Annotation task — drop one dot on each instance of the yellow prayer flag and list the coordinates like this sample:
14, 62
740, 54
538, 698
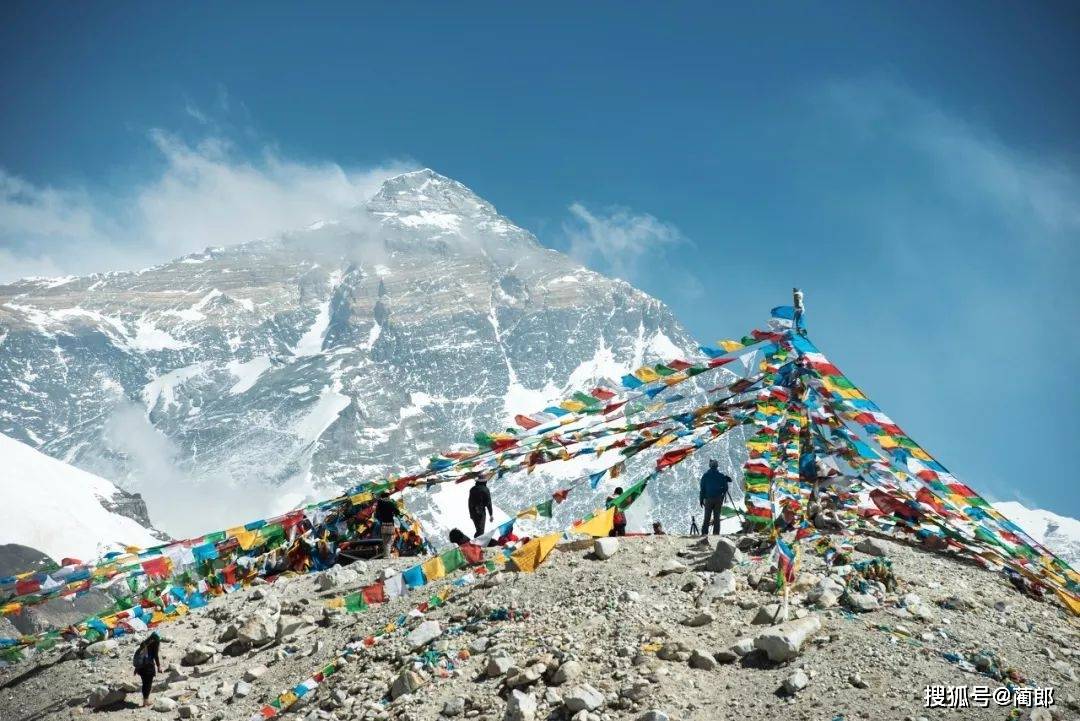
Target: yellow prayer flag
572, 406
1071, 602
730, 345
245, 538
645, 374
529, 557
433, 569
361, 498
530, 513
599, 525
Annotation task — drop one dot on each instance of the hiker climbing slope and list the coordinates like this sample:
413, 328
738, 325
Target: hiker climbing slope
147, 663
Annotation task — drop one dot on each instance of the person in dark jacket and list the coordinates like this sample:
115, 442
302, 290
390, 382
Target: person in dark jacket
386, 512
147, 663
480, 510
714, 486
457, 537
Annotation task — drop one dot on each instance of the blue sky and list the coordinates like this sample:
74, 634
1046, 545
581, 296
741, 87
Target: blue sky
914, 168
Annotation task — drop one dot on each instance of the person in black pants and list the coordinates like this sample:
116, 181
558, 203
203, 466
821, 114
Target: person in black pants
147, 663
480, 510
386, 511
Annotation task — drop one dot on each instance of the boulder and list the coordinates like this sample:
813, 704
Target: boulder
197, 655
582, 698
259, 629
101, 648
671, 566
702, 660
498, 665
605, 548
872, 547
769, 614
861, 602
568, 672
424, 634
105, 696
241, 689
701, 619
164, 704
454, 707
520, 706
336, 577
724, 557
406, 683
723, 584
254, 673
784, 642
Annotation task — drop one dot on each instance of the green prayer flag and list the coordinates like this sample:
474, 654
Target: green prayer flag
544, 509
452, 560
354, 603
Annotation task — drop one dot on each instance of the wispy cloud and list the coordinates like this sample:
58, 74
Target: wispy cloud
207, 194
618, 241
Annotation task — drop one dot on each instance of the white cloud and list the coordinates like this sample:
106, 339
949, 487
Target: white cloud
1040, 197
206, 195
618, 241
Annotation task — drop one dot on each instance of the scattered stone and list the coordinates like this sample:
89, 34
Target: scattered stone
724, 557
582, 698
164, 704
520, 707
861, 602
702, 660
197, 655
188, 710
336, 577
104, 696
784, 642
101, 648
771, 613
254, 673
653, 715
605, 548
630, 596
498, 665
257, 630
872, 547
796, 682
568, 672
857, 681
701, 619
454, 707
406, 683
671, 566
241, 689
424, 634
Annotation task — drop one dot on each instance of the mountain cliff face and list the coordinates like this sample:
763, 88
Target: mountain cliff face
259, 375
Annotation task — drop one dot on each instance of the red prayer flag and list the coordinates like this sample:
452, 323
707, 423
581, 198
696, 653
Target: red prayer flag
375, 593
526, 422
602, 394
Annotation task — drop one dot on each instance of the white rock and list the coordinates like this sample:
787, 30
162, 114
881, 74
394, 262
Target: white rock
454, 707
872, 546
605, 548
568, 672
796, 682
861, 602
724, 557
406, 683
520, 707
424, 634
198, 654
582, 698
255, 672
672, 565
701, 619
164, 704
769, 614
783, 642
102, 696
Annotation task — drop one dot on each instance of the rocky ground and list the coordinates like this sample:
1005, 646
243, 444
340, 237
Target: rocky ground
661, 628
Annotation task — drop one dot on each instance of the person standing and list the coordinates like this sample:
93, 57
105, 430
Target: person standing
714, 486
480, 510
618, 519
147, 663
386, 513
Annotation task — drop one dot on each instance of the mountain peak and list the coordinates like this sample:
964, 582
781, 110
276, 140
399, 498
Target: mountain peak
425, 190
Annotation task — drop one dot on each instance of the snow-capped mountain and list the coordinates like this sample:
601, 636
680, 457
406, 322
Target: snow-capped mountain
256, 376
1060, 534
61, 510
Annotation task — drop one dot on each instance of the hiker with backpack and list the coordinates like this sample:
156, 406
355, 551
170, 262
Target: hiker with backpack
714, 486
618, 519
147, 663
